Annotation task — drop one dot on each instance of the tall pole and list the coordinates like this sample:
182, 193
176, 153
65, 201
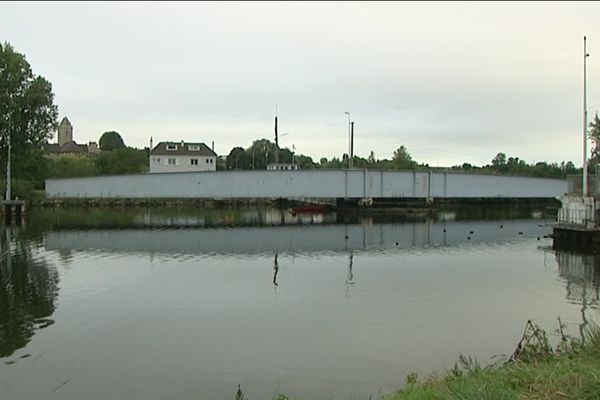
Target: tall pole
8, 194
276, 138
585, 162
349, 133
351, 144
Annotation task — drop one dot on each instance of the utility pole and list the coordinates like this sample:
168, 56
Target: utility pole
585, 162
276, 138
351, 144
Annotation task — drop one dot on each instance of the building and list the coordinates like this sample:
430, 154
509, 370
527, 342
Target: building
282, 167
182, 157
66, 144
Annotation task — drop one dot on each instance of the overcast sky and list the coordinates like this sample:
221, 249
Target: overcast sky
454, 82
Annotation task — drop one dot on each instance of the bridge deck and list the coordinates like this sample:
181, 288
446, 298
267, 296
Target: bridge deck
306, 184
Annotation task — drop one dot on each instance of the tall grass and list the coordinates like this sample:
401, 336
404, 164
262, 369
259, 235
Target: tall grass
536, 370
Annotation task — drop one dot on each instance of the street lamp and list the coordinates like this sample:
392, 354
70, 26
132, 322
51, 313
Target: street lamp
585, 163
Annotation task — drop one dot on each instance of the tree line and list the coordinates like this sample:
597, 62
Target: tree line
263, 152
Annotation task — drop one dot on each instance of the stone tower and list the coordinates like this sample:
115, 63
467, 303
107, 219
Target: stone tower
65, 132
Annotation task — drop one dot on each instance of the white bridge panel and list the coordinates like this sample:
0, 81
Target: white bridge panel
306, 184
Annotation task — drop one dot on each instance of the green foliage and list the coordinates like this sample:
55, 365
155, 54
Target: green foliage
20, 189
594, 135
304, 162
70, 165
221, 163
32, 165
237, 159
499, 161
261, 153
111, 140
537, 371
122, 161
402, 159
27, 114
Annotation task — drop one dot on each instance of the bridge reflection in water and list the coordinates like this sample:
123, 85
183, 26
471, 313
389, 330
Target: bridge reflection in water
366, 236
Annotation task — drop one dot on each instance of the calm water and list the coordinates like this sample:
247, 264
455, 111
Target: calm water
187, 305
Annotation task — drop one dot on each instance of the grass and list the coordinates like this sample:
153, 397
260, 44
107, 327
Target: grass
536, 371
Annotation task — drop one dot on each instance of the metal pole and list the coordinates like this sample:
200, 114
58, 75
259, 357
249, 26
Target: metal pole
585, 163
351, 144
276, 142
8, 194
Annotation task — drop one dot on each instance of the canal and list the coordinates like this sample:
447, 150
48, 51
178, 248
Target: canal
187, 304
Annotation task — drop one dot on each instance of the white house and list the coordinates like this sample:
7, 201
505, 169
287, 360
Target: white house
182, 157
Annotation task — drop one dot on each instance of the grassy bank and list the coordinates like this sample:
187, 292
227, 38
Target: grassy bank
570, 370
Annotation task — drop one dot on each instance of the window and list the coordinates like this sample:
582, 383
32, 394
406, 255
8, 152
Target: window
156, 160
194, 161
207, 161
211, 160
172, 161
171, 147
194, 147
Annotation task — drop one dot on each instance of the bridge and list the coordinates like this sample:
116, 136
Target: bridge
306, 184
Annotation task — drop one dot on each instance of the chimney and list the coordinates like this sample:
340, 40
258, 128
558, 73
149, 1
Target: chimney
213, 146
151, 146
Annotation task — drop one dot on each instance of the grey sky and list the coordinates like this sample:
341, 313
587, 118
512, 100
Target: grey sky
454, 82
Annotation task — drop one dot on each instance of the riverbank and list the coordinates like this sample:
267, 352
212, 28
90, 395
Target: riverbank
535, 371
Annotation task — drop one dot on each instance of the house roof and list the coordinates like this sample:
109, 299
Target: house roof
72, 147
65, 121
182, 149
51, 147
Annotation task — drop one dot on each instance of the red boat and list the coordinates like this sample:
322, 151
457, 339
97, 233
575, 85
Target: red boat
309, 209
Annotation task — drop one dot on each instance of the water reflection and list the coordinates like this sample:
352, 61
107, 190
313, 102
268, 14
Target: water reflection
350, 276
275, 270
581, 273
28, 291
294, 238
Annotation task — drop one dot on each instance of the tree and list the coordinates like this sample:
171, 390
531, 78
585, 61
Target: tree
595, 138
304, 162
402, 159
122, 161
499, 161
236, 158
27, 111
111, 140
69, 165
262, 152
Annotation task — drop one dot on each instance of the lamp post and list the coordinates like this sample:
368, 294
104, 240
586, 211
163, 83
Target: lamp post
349, 141
585, 163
